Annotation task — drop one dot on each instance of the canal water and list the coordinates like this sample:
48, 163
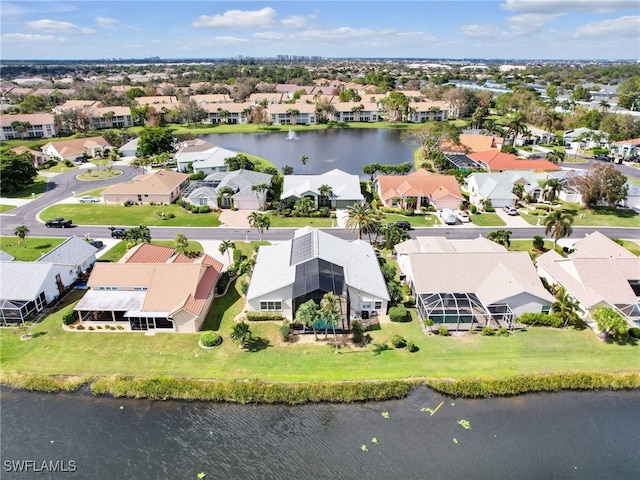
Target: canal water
346, 149
569, 435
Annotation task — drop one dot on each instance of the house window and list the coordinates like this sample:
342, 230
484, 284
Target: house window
366, 305
140, 289
271, 306
377, 305
107, 288
546, 308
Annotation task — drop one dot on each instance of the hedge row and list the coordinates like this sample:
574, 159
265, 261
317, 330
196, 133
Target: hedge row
264, 316
398, 211
541, 320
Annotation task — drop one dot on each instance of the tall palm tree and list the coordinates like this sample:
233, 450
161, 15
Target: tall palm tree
21, 232
604, 105
555, 156
558, 223
565, 306
330, 313
326, 192
361, 216
516, 126
261, 192
307, 315
260, 222
304, 160
503, 237
551, 189
225, 247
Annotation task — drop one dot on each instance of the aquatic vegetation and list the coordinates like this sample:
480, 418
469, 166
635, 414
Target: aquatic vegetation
455, 440
374, 440
385, 414
465, 424
364, 448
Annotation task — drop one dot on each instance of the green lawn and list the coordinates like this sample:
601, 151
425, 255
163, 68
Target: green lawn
593, 217
633, 247
527, 246
99, 214
38, 187
96, 192
6, 208
36, 246
487, 220
537, 350
91, 174
426, 220
300, 221
59, 168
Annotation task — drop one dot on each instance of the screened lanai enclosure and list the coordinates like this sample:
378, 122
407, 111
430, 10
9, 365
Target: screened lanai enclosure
462, 311
17, 311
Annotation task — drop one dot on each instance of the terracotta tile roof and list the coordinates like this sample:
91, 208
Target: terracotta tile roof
633, 141
418, 184
148, 253
33, 118
496, 160
158, 182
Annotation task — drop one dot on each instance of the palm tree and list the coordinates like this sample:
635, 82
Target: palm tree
565, 306
261, 192
518, 190
361, 216
307, 314
304, 160
516, 126
503, 237
326, 192
551, 189
241, 332
20, 127
330, 312
260, 222
225, 247
604, 105
555, 156
393, 235
558, 223
21, 232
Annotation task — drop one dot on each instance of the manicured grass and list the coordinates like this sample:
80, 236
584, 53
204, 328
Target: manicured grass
300, 221
635, 181
633, 247
99, 214
36, 246
527, 246
426, 220
96, 192
6, 208
538, 350
487, 220
37, 188
91, 174
594, 217
59, 168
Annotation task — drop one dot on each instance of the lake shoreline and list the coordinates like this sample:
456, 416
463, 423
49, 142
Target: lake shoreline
252, 391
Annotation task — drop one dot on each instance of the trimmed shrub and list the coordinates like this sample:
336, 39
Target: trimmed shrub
487, 331
264, 316
210, 339
69, 317
429, 323
443, 330
398, 342
503, 332
541, 320
80, 327
91, 327
399, 314
634, 332
285, 330
412, 347
538, 242
358, 331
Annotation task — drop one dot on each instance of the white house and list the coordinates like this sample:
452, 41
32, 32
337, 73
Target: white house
241, 183
498, 187
31, 125
70, 149
345, 188
313, 263
202, 157
74, 252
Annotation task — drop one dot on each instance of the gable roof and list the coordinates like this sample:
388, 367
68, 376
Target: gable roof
496, 160
345, 186
23, 280
77, 145
436, 244
73, 251
418, 184
158, 182
500, 184
209, 158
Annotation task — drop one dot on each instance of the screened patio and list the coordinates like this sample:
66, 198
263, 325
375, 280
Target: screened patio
20, 310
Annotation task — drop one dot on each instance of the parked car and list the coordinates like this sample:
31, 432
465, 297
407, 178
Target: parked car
80, 160
118, 232
463, 217
58, 223
89, 199
603, 157
401, 224
448, 216
510, 210
96, 243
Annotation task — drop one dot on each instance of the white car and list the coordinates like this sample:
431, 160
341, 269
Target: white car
89, 199
463, 217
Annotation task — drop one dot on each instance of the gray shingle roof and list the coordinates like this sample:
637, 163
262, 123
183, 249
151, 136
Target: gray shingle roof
73, 251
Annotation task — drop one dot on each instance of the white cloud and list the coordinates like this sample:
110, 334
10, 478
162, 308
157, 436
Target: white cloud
53, 26
479, 30
294, 22
239, 19
530, 22
615, 27
228, 40
31, 37
106, 22
562, 6
271, 36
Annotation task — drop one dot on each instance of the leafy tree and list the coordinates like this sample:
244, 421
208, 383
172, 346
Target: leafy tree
403, 168
20, 127
21, 232
555, 156
559, 224
181, 242
153, 141
241, 332
371, 169
304, 205
388, 271
139, 234
581, 93
239, 162
602, 183
518, 190
502, 236
629, 93
261, 192
191, 112
361, 216
610, 322
304, 160
565, 306
260, 222
225, 247
326, 192
16, 171
431, 134
331, 314
307, 314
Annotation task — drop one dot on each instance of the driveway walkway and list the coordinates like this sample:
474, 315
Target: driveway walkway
237, 219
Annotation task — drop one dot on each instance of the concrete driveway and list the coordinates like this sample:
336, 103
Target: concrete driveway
512, 220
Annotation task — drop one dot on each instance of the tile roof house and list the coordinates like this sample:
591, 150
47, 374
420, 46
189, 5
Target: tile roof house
161, 186
293, 114
472, 143
313, 263
38, 157
38, 125
70, 149
151, 289
498, 187
626, 148
441, 191
345, 188
207, 191
598, 273
496, 161
465, 290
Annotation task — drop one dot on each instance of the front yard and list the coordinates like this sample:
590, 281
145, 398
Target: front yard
486, 220
592, 217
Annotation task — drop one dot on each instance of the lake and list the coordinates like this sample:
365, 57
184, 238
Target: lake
346, 149
568, 435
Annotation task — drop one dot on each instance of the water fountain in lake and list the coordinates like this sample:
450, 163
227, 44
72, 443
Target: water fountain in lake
292, 135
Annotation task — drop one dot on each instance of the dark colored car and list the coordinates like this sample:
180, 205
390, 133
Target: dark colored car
96, 243
603, 157
118, 232
58, 223
401, 224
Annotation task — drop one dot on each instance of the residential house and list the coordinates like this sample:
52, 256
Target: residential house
469, 142
241, 183
161, 187
206, 99
292, 114
313, 263
268, 98
205, 158
231, 113
30, 125
39, 158
626, 148
496, 161
441, 191
152, 288
497, 187
74, 252
599, 272
345, 189
463, 162
420, 112
465, 290
355, 112
586, 138
77, 147
535, 136
158, 101
110, 117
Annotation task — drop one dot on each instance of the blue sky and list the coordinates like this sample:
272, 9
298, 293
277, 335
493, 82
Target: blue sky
506, 29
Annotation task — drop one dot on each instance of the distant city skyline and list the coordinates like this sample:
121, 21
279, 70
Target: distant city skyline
509, 29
